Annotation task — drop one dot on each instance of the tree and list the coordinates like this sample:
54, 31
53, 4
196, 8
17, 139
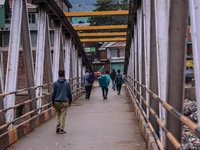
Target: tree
109, 5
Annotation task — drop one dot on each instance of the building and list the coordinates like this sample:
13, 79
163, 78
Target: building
112, 56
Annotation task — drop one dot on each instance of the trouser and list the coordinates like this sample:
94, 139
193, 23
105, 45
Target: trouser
88, 91
104, 92
113, 84
119, 87
61, 112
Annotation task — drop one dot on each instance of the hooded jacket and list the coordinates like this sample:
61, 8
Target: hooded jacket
61, 91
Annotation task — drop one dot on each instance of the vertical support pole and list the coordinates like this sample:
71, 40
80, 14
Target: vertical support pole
136, 55
162, 36
195, 22
41, 38
28, 57
56, 53
13, 58
147, 33
80, 69
139, 26
176, 66
2, 114
153, 83
67, 56
76, 68
84, 69
61, 63
48, 58
133, 58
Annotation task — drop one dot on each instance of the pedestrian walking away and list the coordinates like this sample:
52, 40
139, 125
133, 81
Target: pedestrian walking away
61, 98
112, 76
104, 82
88, 85
118, 81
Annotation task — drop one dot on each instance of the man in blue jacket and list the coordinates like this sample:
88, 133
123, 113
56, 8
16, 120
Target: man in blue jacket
61, 98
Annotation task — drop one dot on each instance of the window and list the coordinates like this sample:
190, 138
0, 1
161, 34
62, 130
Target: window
31, 17
114, 53
122, 53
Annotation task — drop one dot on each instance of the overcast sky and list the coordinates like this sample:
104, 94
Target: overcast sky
82, 5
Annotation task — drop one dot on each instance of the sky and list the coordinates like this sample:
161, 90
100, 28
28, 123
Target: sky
82, 5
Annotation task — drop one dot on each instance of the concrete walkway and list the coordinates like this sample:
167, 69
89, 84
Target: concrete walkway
94, 124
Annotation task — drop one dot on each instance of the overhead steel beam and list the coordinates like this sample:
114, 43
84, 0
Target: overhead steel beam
103, 40
101, 27
103, 34
195, 23
97, 13
13, 58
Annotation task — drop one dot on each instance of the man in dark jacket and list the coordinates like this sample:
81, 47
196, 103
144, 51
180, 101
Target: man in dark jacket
61, 98
112, 76
118, 81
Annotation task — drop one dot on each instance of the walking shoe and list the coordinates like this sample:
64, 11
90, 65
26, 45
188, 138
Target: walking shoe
105, 96
118, 93
62, 131
57, 128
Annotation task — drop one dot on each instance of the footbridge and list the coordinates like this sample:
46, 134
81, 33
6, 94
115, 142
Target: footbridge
149, 112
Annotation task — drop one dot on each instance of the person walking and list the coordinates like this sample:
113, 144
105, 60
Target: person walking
104, 82
112, 76
88, 86
118, 81
61, 99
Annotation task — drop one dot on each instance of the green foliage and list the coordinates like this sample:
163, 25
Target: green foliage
109, 5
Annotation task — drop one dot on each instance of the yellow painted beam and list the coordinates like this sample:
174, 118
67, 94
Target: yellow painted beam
101, 27
103, 40
97, 13
103, 34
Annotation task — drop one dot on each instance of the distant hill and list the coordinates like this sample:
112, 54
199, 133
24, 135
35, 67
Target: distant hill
82, 5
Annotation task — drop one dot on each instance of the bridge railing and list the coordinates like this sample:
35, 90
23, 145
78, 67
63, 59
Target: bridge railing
131, 85
76, 88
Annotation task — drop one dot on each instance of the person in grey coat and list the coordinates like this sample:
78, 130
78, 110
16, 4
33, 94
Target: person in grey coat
88, 86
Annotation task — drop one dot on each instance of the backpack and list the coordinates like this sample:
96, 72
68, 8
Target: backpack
103, 82
119, 80
90, 78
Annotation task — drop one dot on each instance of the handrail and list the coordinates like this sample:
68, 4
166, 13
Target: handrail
25, 102
31, 112
147, 120
25, 89
34, 87
33, 99
172, 110
169, 134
